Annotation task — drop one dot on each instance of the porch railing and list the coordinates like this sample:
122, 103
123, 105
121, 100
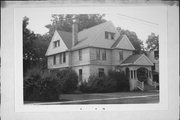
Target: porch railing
153, 83
140, 85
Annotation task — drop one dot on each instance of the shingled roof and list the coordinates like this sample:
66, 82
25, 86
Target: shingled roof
66, 37
131, 59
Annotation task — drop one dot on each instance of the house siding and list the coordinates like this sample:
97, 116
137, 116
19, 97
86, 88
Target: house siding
115, 56
94, 61
85, 72
85, 57
51, 64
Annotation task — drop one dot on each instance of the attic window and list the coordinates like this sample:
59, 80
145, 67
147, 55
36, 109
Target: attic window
57, 43
109, 35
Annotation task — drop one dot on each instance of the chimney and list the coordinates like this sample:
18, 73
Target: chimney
74, 33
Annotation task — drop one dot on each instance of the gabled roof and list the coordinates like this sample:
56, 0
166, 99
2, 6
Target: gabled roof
66, 37
95, 36
139, 59
131, 59
117, 41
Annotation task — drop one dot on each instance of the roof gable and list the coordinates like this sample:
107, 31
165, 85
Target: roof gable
139, 59
123, 43
54, 50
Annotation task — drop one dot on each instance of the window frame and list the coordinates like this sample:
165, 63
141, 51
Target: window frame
104, 54
80, 54
101, 72
98, 54
54, 60
121, 57
64, 57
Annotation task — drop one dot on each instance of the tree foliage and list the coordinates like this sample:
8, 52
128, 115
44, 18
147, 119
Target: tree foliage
152, 42
136, 42
34, 47
64, 21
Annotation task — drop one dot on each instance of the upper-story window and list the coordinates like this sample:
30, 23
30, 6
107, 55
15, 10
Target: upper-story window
60, 58
98, 54
103, 54
156, 54
120, 55
57, 43
109, 35
80, 54
54, 59
64, 57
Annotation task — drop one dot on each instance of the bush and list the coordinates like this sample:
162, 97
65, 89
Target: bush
47, 86
70, 80
41, 86
114, 82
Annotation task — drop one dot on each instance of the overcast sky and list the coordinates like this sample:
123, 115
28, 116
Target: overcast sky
142, 20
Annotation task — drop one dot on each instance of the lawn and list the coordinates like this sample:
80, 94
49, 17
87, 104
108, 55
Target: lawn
107, 98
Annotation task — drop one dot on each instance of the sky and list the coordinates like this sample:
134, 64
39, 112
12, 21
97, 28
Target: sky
142, 23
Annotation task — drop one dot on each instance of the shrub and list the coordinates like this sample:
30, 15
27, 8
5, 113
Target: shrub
115, 81
47, 86
70, 80
41, 86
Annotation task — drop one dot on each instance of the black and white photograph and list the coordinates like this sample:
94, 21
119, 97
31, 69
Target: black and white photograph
90, 59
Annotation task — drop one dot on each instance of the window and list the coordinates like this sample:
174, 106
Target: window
80, 74
153, 67
120, 55
54, 59
60, 58
109, 35
80, 54
103, 54
156, 54
101, 72
64, 57
98, 54
106, 35
57, 43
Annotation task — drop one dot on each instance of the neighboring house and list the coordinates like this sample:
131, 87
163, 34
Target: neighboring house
153, 55
97, 50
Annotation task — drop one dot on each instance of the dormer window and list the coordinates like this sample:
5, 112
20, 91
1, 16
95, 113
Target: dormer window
56, 43
109, 35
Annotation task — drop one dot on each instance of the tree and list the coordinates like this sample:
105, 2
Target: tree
64, 21
136, 42
34, 47
152, 42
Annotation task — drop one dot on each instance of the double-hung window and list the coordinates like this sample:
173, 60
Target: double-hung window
98, 54
103, 54
54, 59
80, 54
64, 57
101, 72
121, 55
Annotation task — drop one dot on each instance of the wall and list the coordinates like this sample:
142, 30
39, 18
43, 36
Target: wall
57, 65
85, 57
85, 71
116, 58
94, 61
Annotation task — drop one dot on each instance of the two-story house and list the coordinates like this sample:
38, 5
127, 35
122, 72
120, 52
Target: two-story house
97, 50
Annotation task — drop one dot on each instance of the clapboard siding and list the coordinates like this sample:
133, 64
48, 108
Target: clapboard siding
93, 58
116, 58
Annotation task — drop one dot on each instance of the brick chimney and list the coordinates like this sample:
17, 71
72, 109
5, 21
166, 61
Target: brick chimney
74, 33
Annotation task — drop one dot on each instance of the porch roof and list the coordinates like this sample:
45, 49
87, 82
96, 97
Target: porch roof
139, 59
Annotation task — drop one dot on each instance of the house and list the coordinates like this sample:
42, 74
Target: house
97, 50
153, 55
